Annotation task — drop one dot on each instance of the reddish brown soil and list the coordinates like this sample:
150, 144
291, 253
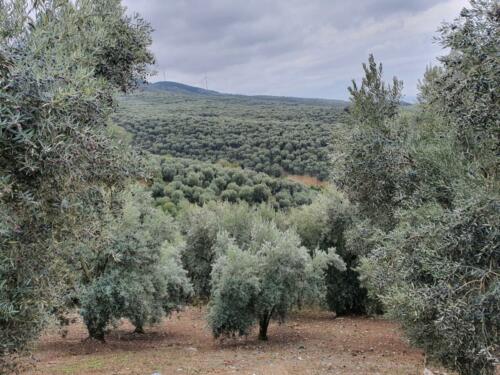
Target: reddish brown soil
308, 343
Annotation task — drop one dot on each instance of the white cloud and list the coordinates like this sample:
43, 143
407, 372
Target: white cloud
306, 48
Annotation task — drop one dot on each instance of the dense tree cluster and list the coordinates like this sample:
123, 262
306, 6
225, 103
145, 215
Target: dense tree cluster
321, 226
264, 135
427, 186
199, 183
200, 227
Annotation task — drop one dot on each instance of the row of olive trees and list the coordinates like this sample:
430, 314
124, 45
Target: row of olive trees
60, 64
322, 225
236, 257
427, 188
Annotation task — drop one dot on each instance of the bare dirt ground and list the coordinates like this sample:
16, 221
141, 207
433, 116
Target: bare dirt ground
307, 180
308, 343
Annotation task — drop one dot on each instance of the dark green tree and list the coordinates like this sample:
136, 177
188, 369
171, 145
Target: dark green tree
200, 228
371, 159
374, 101
326, 224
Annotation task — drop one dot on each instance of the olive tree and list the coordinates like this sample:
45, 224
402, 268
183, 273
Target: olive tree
369, 158
200, 226
60, 64
137, 274
436, 268
263, 279
437, 273
324, 224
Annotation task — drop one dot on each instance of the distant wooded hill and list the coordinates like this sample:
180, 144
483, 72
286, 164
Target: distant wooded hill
178, 88
181, 88
275, 135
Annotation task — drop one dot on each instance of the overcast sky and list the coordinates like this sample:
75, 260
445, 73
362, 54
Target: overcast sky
305, 48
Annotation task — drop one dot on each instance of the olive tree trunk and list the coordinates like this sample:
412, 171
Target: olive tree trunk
264, 324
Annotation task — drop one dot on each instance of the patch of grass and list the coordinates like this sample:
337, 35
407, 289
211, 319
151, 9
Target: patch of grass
85, 365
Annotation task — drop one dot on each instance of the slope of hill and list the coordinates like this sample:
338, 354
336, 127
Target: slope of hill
267, 134
181, 88
178, 88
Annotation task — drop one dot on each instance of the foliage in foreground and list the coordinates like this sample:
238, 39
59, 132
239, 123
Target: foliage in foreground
137, 274
431, 232
60, 64
447, 289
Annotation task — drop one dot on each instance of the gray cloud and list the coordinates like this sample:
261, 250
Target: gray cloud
292, 47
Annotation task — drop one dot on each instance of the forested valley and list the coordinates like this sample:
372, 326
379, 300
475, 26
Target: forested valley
162, 228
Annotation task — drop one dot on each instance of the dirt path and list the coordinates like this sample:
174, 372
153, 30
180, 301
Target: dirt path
308, 343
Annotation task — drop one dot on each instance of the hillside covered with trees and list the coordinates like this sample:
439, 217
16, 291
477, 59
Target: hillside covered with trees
266, 134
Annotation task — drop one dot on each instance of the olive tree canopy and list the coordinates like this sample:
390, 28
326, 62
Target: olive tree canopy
60, 64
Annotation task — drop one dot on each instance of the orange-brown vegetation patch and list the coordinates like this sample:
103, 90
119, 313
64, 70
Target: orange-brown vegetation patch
309, 342
307, 180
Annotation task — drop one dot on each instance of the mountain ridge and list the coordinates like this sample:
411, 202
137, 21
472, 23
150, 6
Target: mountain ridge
181, 88
177, 87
